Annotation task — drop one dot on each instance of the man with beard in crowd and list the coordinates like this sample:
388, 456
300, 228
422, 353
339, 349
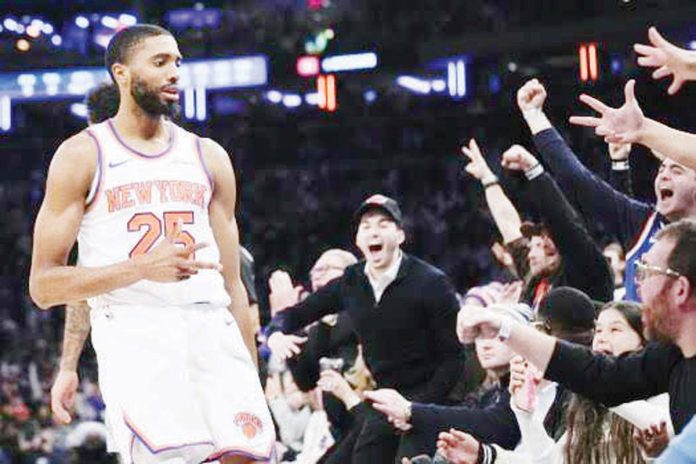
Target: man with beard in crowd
152, 207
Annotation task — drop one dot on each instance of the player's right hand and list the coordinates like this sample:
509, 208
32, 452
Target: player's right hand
285, 346
531, 96
168, 262
63, 396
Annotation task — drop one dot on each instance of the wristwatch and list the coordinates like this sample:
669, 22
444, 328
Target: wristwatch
489, 181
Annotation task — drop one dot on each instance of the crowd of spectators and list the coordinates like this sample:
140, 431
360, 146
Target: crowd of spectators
291, 211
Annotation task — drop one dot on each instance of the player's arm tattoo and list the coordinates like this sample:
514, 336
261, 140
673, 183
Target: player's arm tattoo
77, 327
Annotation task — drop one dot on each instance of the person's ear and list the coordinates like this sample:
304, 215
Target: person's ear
121, 74
682, 290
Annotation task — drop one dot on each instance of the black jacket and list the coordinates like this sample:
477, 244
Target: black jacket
488, 417
615, 380
409, 338
583, 265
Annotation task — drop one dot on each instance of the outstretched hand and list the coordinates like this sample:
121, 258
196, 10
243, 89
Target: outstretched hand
668, 59
652, 440
285, 346
283, 293
458, 447
616, 125
474, 321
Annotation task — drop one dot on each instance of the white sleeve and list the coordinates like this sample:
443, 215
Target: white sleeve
535, 443
643, 413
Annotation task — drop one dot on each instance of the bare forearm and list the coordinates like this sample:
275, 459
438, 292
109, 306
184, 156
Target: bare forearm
531, 344
77, 327
504, 213
674, 144
536, 120
63, 284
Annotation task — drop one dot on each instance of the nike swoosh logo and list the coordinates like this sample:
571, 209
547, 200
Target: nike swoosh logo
115, 165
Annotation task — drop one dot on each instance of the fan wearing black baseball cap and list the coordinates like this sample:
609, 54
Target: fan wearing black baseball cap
404, 311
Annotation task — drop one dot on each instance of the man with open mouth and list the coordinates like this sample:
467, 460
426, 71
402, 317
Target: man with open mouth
404, 312
634, 223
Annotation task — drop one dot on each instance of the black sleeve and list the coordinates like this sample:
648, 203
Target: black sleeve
620, 180
613, 380
596, 200
305, 365
583, 263
493, 424
327, 300
442, 306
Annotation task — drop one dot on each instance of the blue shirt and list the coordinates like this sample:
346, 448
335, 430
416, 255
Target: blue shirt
682, 449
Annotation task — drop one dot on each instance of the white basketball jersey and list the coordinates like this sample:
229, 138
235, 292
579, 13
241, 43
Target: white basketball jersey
134, 202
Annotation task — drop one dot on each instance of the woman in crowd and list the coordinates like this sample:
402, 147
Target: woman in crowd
594, 434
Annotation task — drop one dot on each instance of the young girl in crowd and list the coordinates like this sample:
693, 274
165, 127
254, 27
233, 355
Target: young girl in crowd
594, 434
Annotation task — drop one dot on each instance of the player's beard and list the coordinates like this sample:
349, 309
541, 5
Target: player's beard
150, 101
661, 322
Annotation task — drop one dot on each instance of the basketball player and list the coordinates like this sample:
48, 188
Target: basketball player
152, 208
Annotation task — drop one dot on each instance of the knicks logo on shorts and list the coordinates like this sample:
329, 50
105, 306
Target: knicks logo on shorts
249, 424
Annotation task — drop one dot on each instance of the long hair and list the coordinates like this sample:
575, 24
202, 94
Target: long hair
595, 434
589, 425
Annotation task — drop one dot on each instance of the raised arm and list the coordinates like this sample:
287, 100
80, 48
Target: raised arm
595, 199
51, 281
77, 327
505, 215
224, 224
627, 124
585, 266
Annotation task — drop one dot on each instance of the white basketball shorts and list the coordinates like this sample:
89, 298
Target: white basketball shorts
179, 385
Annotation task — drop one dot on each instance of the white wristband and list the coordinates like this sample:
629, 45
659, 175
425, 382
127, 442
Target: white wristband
620, 165
534, 172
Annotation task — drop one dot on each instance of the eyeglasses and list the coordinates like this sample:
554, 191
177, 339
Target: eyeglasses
645, 270
323, 269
